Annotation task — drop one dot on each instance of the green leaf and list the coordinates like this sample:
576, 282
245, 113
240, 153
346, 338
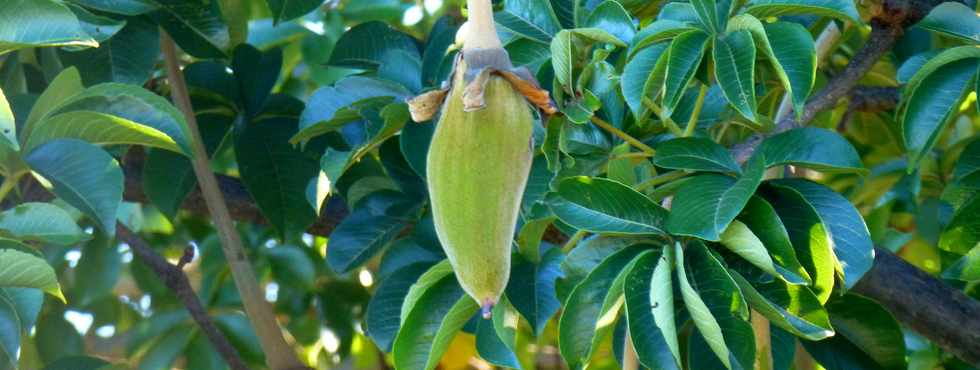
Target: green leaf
613, 18
65, 84
716, 306
8, 128
851, 239
359, 237
650, 310
531, 288
532, 19
292, 266
27, 303
25, 270
495, 338
332, 107
99, 129
431, 324
83, 175
734, 58
643, 76
36, 23
695, 154
275, 173
79, 363
100, 264
793, 308
128, 57
795, 55
740, 240
706, 204
257, 73
132, 103
713, 14
686, 51
680, 12
843, 10
870, 327
41, 222
810, 237
196, 26
966, 268
96, 26
931, 97
953, 19
529, 238
382, 319
124, 7
605, 206
285, 10
762, 220
365, 45
598, 295
9, 333
812, 147
657, 31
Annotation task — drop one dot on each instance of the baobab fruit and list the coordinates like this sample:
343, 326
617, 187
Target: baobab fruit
479, 160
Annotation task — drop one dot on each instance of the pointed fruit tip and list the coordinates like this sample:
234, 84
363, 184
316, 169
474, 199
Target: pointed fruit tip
486, 309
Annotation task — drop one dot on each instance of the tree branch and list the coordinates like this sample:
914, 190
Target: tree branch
279, 355
175, 279
932, 308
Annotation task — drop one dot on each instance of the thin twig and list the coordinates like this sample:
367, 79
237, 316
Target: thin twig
622, 135
175, 279
278, 354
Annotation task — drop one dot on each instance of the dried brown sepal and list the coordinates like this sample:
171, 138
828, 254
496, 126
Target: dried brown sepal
541, 98
473, 99
425, 107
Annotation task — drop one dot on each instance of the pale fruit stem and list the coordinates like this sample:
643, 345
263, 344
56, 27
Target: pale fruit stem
481, 33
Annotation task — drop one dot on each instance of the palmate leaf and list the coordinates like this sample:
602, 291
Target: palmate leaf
431, 323
793, 308
197, 27
762, 221
100, 129
695, 154
659, 30
128, 57
713, 14
365, 46
706, 204
643, 77
34, 23
812, 147
869, 327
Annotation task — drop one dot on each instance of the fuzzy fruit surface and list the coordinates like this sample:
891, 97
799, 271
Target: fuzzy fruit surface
478, 165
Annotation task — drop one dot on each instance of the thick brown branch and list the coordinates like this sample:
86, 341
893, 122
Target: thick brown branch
937, 311
175, 279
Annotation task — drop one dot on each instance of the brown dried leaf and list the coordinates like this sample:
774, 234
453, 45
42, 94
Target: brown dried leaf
530, 89
424, 107
473, 98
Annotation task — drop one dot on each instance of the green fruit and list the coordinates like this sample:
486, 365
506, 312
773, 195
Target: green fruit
478, 165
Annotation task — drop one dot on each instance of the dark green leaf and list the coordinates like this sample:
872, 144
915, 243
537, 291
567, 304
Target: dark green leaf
705, 206
533, 19
716, 306
851, 239
257, 73
930, 100
837, 353
734, 58
124, 7
713, 14
196, 26
382, 317
840, 9
495, 338
643, 76
695, 154
650, 310
869, 327
597, 295
365, 45
531, 288
810, 236
760, 217
359, 237
659, 30
795, 55
27, 302
101, 264
686, 51
83, 175
9, 333
275, 173
606, 206
611, 17
793, 308
812, 147
128, 57
431, 323
284, 10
